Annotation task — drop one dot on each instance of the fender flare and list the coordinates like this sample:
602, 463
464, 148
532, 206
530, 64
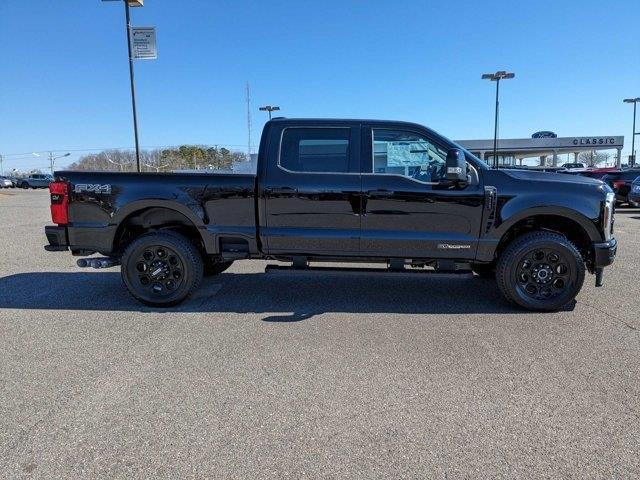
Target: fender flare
131, 208
557, 211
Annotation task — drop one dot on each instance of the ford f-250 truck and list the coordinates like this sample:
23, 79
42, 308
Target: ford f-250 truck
394, 193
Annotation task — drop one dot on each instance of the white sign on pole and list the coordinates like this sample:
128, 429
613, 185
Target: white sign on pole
143, 43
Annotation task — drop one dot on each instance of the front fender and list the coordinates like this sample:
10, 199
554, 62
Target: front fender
510, 211
512, 214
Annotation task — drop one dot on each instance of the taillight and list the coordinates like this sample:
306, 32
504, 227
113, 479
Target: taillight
617, 184
59, 202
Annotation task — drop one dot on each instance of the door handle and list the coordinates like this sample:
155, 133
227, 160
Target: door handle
280, 190
381, 193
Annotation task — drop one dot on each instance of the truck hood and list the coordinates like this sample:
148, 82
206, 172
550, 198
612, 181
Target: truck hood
528, 175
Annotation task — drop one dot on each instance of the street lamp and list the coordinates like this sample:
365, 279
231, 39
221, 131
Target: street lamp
496, 77
633, 132
52, 159
269, 108
127, 4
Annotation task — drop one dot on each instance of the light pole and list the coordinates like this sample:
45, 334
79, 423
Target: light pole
633, 132
496, 77
127, 4
52, 159
269, 108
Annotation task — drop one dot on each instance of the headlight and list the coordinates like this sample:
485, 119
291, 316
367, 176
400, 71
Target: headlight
607, 217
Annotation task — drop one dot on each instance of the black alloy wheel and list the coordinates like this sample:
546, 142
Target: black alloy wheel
161, 269
541, 271
543, 274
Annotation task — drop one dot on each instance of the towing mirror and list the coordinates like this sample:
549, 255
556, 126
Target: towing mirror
456, 166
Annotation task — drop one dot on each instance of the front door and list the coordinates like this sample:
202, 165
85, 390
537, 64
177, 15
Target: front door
408, 210
312, 195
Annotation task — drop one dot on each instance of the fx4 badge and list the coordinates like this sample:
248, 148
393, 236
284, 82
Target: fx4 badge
448, 246
92, 188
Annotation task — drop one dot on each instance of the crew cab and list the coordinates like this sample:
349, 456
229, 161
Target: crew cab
352, 191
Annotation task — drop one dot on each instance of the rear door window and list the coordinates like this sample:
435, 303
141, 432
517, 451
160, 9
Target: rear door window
316, 150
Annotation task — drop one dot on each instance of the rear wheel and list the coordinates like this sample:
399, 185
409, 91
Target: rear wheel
161, 269
24, 185
540, 271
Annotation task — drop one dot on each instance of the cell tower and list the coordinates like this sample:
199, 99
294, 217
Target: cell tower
248, 123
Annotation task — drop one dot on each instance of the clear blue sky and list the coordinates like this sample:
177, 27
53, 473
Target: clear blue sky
64, 74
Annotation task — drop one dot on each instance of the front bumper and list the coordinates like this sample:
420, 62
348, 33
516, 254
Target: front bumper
604, 253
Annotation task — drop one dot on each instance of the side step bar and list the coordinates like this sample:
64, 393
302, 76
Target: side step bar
349, 271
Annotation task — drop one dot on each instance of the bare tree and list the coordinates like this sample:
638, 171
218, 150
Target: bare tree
592, 158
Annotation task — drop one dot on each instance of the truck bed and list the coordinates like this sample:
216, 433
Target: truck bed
218, 204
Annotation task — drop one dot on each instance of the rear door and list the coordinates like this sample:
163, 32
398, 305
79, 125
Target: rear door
408, 211
311, 190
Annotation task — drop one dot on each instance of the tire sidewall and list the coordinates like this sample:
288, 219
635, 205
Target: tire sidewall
192, 268
570, 255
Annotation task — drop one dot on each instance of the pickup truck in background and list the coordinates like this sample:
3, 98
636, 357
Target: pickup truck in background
352, 191
37, 180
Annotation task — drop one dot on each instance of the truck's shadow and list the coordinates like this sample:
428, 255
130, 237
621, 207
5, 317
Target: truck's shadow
305, 296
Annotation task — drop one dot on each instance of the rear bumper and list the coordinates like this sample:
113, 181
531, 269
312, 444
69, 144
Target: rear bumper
604, 253
57, 238
80, 239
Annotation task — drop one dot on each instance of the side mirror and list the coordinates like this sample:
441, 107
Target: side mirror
456, 166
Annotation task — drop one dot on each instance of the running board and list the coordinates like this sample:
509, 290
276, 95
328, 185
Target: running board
349, 271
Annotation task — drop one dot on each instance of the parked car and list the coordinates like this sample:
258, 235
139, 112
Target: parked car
6, 183
573, 166
634, 194
354, 191
37, 180
620, 182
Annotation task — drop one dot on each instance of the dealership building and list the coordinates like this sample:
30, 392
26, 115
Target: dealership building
512, 151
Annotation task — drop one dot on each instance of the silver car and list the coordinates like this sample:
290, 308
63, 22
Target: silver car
6, 183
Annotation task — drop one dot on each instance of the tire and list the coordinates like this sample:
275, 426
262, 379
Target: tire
484, 270
24, 185
212, 268
540, 271
161, 269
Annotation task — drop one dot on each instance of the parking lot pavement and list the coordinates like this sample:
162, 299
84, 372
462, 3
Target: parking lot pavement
284, 377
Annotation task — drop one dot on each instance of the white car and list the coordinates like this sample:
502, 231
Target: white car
574, 167
6, 183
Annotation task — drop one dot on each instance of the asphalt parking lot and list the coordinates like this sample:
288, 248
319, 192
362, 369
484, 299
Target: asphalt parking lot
287, 377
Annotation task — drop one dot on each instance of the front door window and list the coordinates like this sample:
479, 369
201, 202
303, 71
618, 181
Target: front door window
408, 154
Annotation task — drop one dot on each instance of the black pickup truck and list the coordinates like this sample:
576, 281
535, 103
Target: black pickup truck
386, 192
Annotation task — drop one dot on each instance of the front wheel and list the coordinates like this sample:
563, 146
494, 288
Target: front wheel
540, 271
161, 269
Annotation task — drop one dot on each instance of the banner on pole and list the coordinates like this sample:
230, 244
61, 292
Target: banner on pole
143, 43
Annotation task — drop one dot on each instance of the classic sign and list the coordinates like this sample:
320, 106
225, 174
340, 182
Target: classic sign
594, 141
